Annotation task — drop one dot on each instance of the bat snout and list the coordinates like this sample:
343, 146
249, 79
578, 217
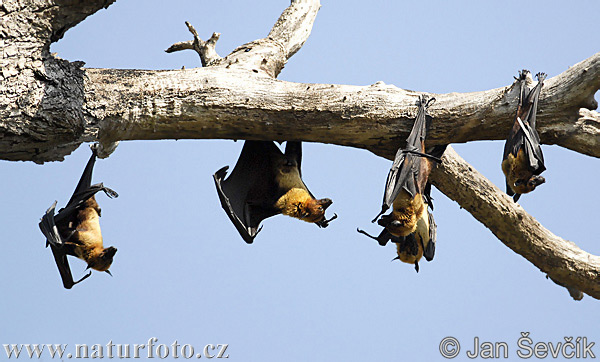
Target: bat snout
325, 203
537, 180
110, 252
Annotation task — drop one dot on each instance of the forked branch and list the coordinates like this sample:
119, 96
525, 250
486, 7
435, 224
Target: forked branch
205, 49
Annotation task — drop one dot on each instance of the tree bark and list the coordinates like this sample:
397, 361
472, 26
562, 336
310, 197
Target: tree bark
562, 260
49, 106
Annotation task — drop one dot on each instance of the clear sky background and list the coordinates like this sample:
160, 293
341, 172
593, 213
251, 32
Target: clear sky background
300, 293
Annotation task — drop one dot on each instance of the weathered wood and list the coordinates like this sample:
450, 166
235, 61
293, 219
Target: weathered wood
72, 105
560, 259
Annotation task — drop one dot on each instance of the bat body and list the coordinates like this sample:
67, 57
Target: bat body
418, 244
421, 242
410, 224
75, 229
523, 161
266, 182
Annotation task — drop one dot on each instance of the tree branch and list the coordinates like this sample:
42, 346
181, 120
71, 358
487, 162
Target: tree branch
560, 259
267, 55
205, 49
230, 103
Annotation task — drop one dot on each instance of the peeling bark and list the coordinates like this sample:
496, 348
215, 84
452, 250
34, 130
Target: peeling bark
82, 105
49, 106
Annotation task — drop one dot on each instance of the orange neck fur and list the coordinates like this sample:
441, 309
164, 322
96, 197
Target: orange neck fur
296, 203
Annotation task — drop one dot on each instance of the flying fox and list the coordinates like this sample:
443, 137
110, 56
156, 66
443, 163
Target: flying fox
410, 224
75, 229
523, 161
267, 182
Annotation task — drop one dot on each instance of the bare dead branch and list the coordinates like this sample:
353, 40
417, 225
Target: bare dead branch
293, 27
221, 103
561, 259
205, 49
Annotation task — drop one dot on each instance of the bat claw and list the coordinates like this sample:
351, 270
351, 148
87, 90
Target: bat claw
83, 278
365, 233
383, 209
325, 223
110, 193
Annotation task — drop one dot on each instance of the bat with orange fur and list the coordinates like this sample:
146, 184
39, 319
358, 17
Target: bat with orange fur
75, 229
267, 182
522, 160
410, 224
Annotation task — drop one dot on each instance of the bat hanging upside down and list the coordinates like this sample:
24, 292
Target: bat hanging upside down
75, 230
410, 224
523, 161
266, 182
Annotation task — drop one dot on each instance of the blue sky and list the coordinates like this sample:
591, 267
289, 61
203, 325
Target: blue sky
299, 292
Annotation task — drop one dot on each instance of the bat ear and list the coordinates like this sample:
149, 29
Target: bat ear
108, 272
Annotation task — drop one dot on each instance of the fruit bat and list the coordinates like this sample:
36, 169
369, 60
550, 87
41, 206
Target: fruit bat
418, 244
523, 161
75, 229
410, 224
266, 182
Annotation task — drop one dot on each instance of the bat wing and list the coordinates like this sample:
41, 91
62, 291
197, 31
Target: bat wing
248, 194
68, 212
514, 141
414, 150
429, 250
58, 247
524, 134
533, 149
84, 190
405, 169
86, 178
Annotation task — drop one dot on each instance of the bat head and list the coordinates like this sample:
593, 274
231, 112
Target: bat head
103, 260
536, 181
314, 210
399, 225
409, 251
525, 186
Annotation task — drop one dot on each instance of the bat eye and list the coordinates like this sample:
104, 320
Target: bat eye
321, 208
518, 182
